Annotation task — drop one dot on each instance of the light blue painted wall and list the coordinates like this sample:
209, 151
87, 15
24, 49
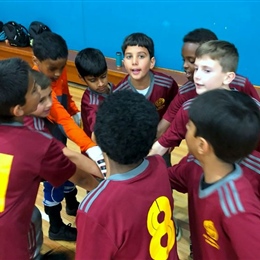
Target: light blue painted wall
104, 24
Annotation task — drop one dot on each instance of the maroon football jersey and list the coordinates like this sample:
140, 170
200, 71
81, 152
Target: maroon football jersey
89, 105
224, 217
129, 216
177, 130
188, 91
162, 90
26, 157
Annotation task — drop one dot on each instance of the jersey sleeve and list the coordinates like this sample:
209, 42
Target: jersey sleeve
243, 230
172, 92
88, 114
96, 235
55, 166
176, 131
72, 107
173, 108
250, 90
179, 175
59, 115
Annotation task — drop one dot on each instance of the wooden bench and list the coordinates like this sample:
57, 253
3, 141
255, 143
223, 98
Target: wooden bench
115, 74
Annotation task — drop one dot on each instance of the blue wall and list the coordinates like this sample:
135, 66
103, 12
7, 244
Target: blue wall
104, 24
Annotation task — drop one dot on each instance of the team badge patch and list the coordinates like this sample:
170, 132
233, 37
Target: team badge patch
160, 103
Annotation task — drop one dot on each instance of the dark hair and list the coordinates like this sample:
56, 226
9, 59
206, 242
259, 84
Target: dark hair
49, 45
90, 62
41, 79
225, 52
139, 39
125, 128
228, 120
200, 35
14, 81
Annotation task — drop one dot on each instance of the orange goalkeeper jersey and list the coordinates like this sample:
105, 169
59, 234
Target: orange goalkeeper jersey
63, 107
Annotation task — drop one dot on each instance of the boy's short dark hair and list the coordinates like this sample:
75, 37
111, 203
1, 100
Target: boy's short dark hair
200, 35
139, 39
14, 81
41, 79
49, 45
228, 120
225, 52
90, 62
126, 125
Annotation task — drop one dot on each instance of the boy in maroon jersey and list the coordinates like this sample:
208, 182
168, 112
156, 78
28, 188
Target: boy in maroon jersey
139, 226
139, 60
215, 66
224, 211
92, 68
37, 121
158, 88
22, 166
191, 42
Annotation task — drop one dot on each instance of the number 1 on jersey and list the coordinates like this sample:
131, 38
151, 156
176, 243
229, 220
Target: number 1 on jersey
5, 169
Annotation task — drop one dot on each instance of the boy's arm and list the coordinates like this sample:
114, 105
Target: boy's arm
169, 96
72, 107
185, 93
88, 113
250, 90
83, 162
174, 134
177, 130
59, 115
162, 126
170, 114
85, 169
180, 174
242, 84
243, 231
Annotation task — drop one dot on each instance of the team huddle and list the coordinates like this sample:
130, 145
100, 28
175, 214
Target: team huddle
125, 165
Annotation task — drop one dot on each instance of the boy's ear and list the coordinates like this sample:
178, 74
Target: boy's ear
229, 77
17, 111
203, 146
152, 63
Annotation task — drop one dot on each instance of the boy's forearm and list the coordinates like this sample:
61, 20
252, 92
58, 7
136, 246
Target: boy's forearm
83, 162
162, 127
157, 148
84, 180
60, 116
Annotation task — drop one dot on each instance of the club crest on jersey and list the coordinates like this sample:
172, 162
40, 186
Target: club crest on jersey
160, 103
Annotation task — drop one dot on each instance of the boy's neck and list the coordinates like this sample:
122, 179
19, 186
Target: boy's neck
215, 170
142, 83
116, 168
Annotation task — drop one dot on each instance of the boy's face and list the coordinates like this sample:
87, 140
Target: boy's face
98, 84
137, 62
208, 74
188, 56
51, 68
32, 97
44, 106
